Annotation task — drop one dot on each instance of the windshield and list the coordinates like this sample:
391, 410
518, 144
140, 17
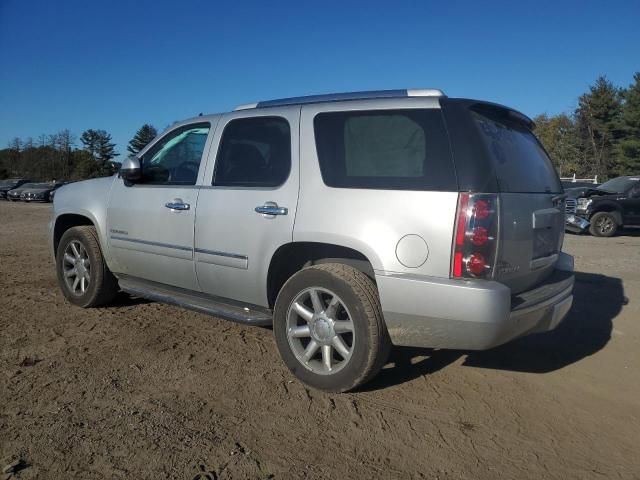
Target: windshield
618, 185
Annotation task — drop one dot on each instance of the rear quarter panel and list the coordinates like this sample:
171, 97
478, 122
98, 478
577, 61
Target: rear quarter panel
367, 220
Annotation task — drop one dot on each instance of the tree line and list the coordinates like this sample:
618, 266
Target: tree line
601, 136
63, 156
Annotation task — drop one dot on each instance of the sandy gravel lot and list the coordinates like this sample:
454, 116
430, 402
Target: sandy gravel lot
143, 390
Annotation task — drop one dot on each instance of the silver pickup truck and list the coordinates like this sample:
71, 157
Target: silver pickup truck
350, 222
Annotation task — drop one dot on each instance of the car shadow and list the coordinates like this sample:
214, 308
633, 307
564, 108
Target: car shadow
124, 299
598, 299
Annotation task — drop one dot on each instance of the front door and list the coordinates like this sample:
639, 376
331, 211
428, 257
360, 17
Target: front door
150, 223
248, 207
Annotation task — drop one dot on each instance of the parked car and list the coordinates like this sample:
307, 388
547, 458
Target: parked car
14, 194
605, 209
351, 222
10, 184
39, 192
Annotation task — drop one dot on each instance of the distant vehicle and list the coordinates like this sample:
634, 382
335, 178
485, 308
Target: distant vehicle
53, 192
40, 192
10, 184
567, 184
351, 222
14, 194
605, 209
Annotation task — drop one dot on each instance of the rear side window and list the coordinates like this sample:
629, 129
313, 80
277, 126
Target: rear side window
384, 149
254, 152
521, 164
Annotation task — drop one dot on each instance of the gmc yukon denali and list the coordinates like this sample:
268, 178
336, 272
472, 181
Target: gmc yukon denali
350, 222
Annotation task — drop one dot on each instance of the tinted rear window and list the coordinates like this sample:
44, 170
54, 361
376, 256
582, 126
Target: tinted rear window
521, 164
384, 149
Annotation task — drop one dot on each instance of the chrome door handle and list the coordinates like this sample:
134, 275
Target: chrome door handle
272, 210
177, 205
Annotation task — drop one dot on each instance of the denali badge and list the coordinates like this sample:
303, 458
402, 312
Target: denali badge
508, 268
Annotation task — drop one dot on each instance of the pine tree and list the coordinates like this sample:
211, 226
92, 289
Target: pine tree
141, 139
98, 144
105, 153
89, 139
597, 119
628, 148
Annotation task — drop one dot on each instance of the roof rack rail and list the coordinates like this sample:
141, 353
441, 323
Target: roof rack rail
338, 97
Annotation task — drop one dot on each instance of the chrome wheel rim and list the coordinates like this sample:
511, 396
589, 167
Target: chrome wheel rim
320, 331
76, 268
605, 225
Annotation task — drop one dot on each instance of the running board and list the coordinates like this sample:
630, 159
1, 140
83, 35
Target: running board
216, 306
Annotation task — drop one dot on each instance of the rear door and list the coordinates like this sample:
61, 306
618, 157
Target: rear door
248, 206
531, 199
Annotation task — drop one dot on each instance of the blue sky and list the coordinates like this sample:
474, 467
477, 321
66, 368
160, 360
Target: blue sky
115, 65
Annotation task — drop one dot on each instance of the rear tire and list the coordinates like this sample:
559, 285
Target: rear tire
603, 224
79, 257
347, 306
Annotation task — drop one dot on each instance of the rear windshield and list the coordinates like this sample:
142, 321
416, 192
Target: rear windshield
522, 165
384, 149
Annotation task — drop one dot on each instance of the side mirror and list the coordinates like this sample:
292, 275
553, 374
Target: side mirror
130, 171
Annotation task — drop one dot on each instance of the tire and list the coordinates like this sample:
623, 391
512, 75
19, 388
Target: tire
346, 299
101, 287
603, 224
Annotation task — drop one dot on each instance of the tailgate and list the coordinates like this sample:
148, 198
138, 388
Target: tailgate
531, 235
531, 198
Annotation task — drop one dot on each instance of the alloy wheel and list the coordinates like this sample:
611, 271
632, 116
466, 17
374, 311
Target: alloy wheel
605, 225
320, 331
76, 268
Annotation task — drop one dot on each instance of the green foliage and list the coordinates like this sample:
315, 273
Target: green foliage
54, 157
141, 139
558, 135
602, 135
628, 148
97, 143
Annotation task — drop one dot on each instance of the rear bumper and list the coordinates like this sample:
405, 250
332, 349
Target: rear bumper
471, 315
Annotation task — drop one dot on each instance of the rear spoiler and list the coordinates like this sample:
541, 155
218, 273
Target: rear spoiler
498, 110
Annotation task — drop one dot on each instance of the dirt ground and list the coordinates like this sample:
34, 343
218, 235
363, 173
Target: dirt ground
144, 390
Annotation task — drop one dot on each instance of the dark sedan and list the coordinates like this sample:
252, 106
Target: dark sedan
10, 184
40, 192
14, 194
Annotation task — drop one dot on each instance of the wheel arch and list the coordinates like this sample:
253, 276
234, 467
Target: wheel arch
66, 221
294, 256
610, 208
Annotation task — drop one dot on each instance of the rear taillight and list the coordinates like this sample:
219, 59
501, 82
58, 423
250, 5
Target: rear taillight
475, 238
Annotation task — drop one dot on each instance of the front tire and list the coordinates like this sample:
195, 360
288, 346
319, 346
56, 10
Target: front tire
83, 275
329, 327
603, 224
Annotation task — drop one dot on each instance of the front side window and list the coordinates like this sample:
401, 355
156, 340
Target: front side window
384, 149
175, 159
254, 152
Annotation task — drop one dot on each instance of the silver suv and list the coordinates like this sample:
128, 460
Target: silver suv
351, 222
